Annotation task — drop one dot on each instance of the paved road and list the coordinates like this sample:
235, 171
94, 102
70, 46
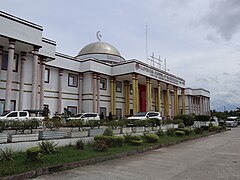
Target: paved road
213, 157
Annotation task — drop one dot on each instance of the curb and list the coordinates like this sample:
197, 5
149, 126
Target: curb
57, 168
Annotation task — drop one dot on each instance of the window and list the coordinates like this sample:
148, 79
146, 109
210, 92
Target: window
72, 110
47, 75
119, 113
72, 80
103, 83
103, 112
119, 86
2, 105
23, 114
5, 62
13, 114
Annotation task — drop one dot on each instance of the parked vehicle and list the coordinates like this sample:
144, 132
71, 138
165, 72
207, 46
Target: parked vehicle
214, 121
85, 116
232, 121
146, 115
19, 115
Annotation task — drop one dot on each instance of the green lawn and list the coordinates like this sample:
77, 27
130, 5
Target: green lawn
70, 154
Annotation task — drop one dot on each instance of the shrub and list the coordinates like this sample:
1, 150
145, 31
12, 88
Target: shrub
108, 132
127, 138
52, 123
100, 145
31, 124
204, 127
34, 154
170, 132
117, 140
198, 130
140, 123
187, 131
210, 125
110, 140
48, 147
181, 125
177, 121
136, 142
6, 155
136, 137
180, 133
151, 138
2, 126
187, 119
160, 133
80, 144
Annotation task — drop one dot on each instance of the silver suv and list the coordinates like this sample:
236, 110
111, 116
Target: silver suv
85, 116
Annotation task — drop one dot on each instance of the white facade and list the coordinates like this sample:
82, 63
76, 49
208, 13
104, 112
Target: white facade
98, 79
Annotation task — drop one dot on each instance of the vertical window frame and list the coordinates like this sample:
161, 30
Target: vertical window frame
74, 76
104, 87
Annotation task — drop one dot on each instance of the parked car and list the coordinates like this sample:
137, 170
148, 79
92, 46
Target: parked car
232, 121
145, 115
85, 116
19, 115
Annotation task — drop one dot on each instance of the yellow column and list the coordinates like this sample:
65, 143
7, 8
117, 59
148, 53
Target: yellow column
175, 101
126, 97
114, 96
166, 101
137, 93
183, 100
111, 95
150, 95
147, 93
134, 93
159, 97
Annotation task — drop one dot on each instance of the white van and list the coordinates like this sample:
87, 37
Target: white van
232, 121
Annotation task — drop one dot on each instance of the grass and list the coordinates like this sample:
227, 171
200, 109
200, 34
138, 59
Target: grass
71, 154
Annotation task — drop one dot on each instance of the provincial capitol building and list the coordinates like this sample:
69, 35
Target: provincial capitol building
98, 79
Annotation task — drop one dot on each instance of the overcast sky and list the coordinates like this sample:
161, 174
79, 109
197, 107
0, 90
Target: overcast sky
200, 39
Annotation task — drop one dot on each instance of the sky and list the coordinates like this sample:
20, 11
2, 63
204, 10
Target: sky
200, 39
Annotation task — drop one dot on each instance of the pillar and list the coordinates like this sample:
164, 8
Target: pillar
22, 73
175, 100
111, 95
159, 97
34, 78
134, 94
137, 93
150, 95
166, 101
42, 78
9, 75
127, 97
1, 58
80, 92
114, 97
183, 100
98, 94
60, 77
94, 82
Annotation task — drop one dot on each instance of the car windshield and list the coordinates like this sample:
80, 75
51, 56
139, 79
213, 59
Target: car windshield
140, 114
78, 115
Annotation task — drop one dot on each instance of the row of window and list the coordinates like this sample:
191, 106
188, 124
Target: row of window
72, 78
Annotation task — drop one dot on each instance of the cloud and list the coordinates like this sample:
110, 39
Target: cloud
224, 18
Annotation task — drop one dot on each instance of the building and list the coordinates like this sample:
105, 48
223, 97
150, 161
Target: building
98, 79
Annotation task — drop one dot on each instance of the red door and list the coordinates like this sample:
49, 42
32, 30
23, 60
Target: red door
142, 98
